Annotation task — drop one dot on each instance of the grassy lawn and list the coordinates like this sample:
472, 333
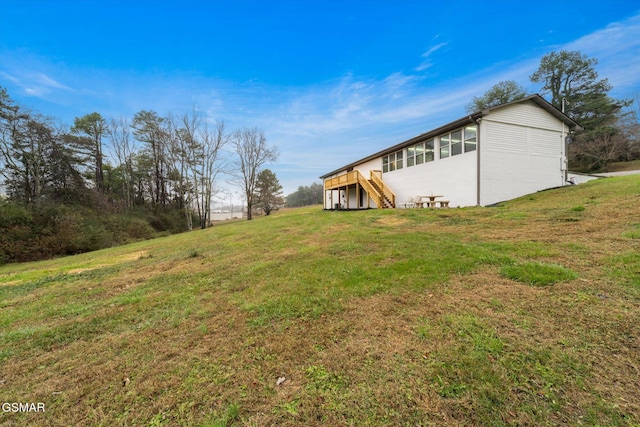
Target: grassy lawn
523, 314
623, 166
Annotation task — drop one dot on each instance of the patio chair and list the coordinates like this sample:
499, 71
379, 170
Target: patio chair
409, 203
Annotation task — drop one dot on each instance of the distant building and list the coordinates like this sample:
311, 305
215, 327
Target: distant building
489, 156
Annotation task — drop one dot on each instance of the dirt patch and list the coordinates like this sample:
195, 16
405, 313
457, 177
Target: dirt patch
82, 270
391, 221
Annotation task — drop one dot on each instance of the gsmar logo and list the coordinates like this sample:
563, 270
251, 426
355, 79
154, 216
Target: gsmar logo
22, 407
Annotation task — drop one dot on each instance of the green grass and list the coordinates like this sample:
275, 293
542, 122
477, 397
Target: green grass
623, 166
538, 274
523, 314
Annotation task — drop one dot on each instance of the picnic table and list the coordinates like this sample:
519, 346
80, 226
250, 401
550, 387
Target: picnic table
431, 202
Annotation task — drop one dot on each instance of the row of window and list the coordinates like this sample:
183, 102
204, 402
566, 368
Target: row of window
449, 144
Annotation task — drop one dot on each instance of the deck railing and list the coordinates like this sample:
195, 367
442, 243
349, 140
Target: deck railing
341, 180
356, 177
376, 176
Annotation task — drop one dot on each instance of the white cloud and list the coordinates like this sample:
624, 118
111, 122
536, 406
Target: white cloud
427, 63
43, 80
617, 48
9, 77
33, 83
339, 122
320, 127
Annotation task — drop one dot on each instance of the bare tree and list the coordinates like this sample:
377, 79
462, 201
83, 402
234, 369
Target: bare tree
597, 152
251, 147
184, 152
196, 162
211, 164
123, 149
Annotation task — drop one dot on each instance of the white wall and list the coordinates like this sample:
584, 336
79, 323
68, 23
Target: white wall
527, 113
331, 198
365, 168
521, 152
454, 178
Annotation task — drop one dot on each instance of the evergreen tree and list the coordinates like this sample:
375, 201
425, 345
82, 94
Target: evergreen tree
572, 82
93, 127
306, 195
150, 129
501, 93
268, 192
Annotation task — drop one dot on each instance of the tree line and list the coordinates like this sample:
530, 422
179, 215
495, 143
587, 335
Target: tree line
306, 195
611, 127
102, 182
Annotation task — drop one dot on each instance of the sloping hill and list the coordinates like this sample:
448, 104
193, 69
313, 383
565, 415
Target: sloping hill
526, 313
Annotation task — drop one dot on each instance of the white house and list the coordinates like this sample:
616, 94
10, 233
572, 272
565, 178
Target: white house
487, 157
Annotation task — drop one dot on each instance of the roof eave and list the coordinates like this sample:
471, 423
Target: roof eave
472, 118
545, 105
406, 143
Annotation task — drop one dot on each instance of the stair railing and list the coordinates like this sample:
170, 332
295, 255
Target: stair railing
376, 176
370, 189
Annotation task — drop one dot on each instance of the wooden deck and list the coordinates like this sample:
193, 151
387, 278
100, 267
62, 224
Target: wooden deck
375, 187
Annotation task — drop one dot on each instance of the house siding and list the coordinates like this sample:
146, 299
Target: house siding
454, 178
521, 153
527, 113
520, 150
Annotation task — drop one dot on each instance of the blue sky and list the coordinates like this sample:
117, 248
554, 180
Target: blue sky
328, 81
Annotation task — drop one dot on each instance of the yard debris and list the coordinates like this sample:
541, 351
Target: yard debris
281, 380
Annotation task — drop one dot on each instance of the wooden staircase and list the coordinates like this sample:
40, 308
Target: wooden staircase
378, 191
386, 202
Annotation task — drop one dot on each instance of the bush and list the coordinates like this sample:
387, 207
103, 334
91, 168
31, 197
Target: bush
16, 233
93, 235
49, 229
126, 228
167, 219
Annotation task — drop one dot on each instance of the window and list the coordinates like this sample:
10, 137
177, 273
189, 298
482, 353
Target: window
392, 162
416, 154
428, 151
452, 143
411, 156
399, 160
420, 154
456, 142
470, 138
444, 146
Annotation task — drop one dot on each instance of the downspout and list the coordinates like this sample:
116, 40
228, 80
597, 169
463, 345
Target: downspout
324, 195
477, 122
564, 160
